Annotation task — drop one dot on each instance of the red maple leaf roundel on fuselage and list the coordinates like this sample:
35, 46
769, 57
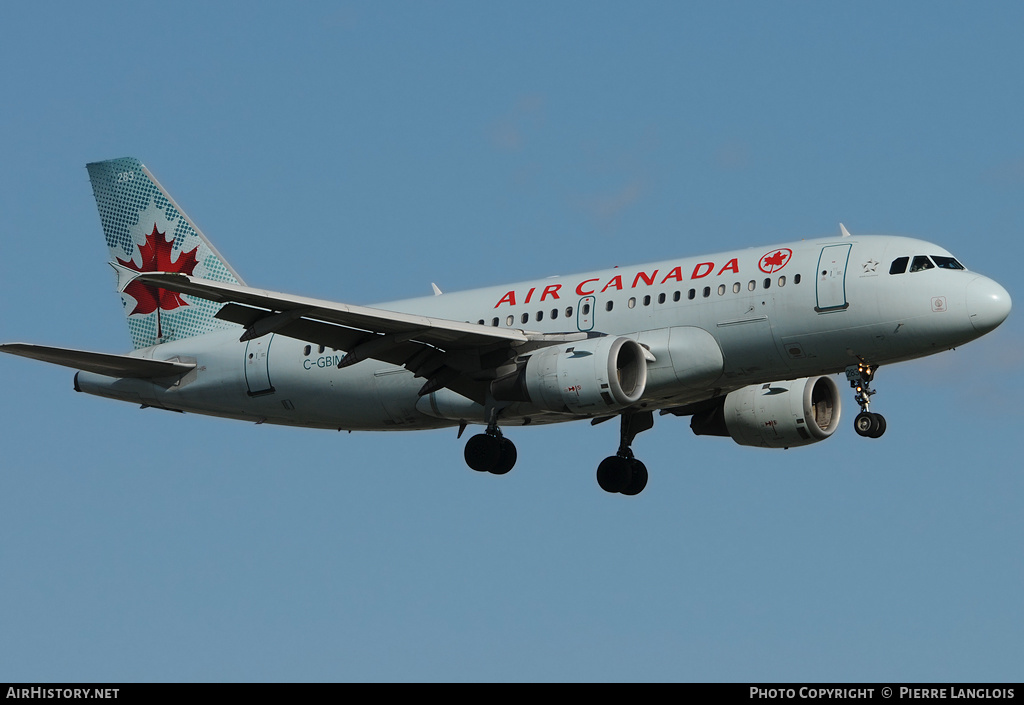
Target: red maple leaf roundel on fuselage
156, 257
775, 260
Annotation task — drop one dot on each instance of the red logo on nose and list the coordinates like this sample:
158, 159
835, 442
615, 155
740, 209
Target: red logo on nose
775, 260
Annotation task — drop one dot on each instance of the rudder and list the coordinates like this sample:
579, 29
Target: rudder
147, 231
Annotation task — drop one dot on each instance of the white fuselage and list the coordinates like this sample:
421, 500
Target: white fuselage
712, 324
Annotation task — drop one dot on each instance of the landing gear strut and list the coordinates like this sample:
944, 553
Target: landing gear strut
622, 473
490, 451
867, 423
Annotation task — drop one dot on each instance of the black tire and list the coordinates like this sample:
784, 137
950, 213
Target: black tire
614, 474
879, 426
483, 452
506, 457
866, 424
638, 479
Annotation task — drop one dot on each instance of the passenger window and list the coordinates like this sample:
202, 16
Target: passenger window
494, 322
767, 282
525, 317
661, 298
899, 265
647, 301
796, 278
608, 306
480, 322
677, 295
751, 285
920, 264
540, 315
320, 350
946, 262
691, 294
510, 320
736, 288
721, 289
782, 281
554, 313
707, 291
568, 311
306, 350
632, 301
586, 309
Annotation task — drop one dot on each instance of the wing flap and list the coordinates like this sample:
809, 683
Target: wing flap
444, 352
327, 334
100, 363
435, 331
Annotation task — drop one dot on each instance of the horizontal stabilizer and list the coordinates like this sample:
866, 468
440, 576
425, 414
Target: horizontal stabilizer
100, 363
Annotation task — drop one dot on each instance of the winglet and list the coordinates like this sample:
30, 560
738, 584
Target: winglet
437, 292
125, 276
843, 230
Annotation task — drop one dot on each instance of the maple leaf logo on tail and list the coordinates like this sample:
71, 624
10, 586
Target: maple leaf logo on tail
156, 257
134, 211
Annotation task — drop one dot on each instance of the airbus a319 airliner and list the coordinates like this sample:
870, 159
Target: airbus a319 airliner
742, 342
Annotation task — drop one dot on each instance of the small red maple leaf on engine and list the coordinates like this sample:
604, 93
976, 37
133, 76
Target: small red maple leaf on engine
156, 257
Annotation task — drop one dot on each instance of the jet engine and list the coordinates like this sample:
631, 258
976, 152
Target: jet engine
774, 415
590, 376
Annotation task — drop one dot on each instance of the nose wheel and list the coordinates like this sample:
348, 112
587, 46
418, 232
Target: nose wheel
867, 423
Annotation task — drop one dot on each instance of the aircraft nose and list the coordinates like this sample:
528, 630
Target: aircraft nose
988, 304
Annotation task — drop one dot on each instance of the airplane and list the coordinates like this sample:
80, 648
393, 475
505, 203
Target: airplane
743, 342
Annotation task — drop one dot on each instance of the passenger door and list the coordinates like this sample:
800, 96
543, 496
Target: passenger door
831, 278
257, 366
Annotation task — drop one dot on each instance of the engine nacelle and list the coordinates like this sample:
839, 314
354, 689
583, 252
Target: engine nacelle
590, 376
775, 415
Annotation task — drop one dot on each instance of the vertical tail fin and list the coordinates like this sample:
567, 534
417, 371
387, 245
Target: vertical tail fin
146, 231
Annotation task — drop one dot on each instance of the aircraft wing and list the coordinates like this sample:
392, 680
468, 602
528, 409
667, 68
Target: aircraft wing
100, 363
447, 353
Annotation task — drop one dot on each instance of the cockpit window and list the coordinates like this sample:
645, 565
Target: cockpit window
946, 262
920, 264
899, 265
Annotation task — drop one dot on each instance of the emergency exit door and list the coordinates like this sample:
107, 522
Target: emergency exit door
585, 314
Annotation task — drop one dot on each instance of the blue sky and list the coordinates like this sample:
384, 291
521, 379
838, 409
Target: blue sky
357, 152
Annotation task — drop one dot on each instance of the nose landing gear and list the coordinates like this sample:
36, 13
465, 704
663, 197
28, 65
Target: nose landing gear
867, 423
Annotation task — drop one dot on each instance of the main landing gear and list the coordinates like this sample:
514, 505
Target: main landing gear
622, 473
490, 451
867, 423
